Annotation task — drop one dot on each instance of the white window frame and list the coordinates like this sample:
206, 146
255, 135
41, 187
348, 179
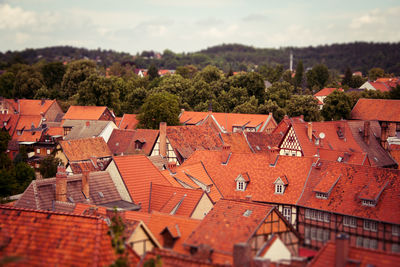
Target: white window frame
307, 214
368, 203
370, 225
287, 213
321, 195
349, 221
313, 233
326, 235
240, 185
48, 152
327, 217
37, 150
320, 216
395, 230
279, 189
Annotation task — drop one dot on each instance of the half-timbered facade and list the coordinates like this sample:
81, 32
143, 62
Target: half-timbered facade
170, 153
290, 145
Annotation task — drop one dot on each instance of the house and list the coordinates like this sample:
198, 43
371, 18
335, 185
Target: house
394, 150
89, 113
193, 203
360, 201
385, 111
229, 122
9, 122
47, 238
177, 143
133, 176
339, 253
381, 84
128, 122
323, 93
63, 192
126, 142
88, 153
77, 129
262, 142
244, 222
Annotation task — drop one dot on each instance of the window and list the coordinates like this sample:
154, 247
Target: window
326, 235
369, 203
313, 233
395, 248
307, 214
278, 189
293, 154
240, 185
327, 217
307, 235
395, 230
48, 151
320, 234
287, 213
320, 216
349, 221
321, 195
366, 243
37, 150
370, 225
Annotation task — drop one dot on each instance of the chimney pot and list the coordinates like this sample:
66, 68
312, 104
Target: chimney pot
309, 131
366, 131
61, 184
241, 255
85, 183
163, 139
342, 249
226, 150
172, 167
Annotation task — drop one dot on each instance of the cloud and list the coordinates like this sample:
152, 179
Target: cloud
365, 20
15, 17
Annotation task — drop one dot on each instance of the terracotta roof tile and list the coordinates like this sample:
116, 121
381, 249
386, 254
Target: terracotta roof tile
376, 110
83, 149
27, 122
30, 136
55, 131
355, 183
9, 122
360, 158
380, 86
123, 141
84, 113
138, 173
34, 107
327, 91
43, 238
363, 257
263, 142
237, 142
128, 121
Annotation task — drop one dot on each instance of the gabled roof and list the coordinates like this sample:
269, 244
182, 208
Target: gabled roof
34, 107
262, 141
40, 194
360, 158
128, 121
380, 86
376, 110
192, 117
180, 201
237, 219
327, 91
377, 156
44, 238
30, 136
138, 173
9, 122
27, 122
355, 183
237, 142
83, 149
356, 255
84, 112
187, 139
85, 128
263, 170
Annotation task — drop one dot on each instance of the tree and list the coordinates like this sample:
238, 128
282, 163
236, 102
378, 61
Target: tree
7, 80
77, 72
159, 107
271, 74
27, 81
271, 106
152, 72
252, 81
209, 74
188, 71
116, 232
249, 107
305, 105
48, 166
348, 78
298, 77
280, 92
336, 106
375, 73
53, 74
318, 76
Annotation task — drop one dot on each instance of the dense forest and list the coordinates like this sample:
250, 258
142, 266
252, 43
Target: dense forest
359, 56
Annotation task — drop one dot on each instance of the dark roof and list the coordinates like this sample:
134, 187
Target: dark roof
123, 141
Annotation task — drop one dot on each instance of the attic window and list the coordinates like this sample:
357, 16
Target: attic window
369, 203
240, 185
258, 148
321, 195
279, 189
280, 185
339, 159
241, 181
100, 194
340, 133
247, 213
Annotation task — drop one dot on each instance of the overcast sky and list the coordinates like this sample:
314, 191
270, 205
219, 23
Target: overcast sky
133, 26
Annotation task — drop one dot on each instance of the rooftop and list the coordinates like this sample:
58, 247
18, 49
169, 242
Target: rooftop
376, 110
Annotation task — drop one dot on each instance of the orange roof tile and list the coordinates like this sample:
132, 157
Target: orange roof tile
9, 122
128, 121
34, 107
356, 182
55, 131
237, 142
83, 149
30, 136
376, 110
263, 142
327, 91
363, 257
84, 113
380, 86
118, 120
138, 173
167, 198
192, 117
44, 238
360, 158
26, 122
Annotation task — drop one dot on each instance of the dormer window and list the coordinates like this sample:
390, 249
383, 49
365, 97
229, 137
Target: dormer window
279, 189
321, 195
369, 203
280, 184
241, 181
240, 185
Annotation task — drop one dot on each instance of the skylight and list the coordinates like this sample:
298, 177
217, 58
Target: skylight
247, 213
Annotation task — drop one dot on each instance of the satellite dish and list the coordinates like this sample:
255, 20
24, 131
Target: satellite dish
322, 135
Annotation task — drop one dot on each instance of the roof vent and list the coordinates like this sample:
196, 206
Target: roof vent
101, 194
247, 213
70, 199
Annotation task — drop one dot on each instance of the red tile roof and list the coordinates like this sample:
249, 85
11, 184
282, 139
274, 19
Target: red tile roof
9, 122
355, 183
262, 169
360, 158
138, 173
237, 219
84, 113
192, 117
34, 107
43, 238
327, 91
55, 131
363, 257
29, 136
83, 149
376, 110
263, 142
380, 86
167, 198
237, 142
128, 121
26, 122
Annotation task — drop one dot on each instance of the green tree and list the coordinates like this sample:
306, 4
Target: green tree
348, 77
271, 106
395, 92
375, 73
252, 81
188, 71
159, 107
24, 174
336, 106
318, 76
152, 72
280, 92
77, 72
298, 77
271, 74
5, 162
53, 74
209, 74
7, 80
250, 106
27, 82
48, 166
305, 105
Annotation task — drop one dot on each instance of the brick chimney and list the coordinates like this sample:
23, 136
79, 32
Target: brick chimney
241, 255
163, 139
366, 132
226, 151
342, 249
172, 167
203, 252
384, 134
85, 183
61, 184
309, 131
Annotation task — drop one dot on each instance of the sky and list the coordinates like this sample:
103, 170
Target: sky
188, 26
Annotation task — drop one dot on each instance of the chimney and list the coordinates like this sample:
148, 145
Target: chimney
93, 159
42, 102
163, 139
309, 131
226, 151
384, 134
85, 183
209, 107
172, 167
342, 249
203, 252
366, 131
61, 184
261, 262
241, 255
